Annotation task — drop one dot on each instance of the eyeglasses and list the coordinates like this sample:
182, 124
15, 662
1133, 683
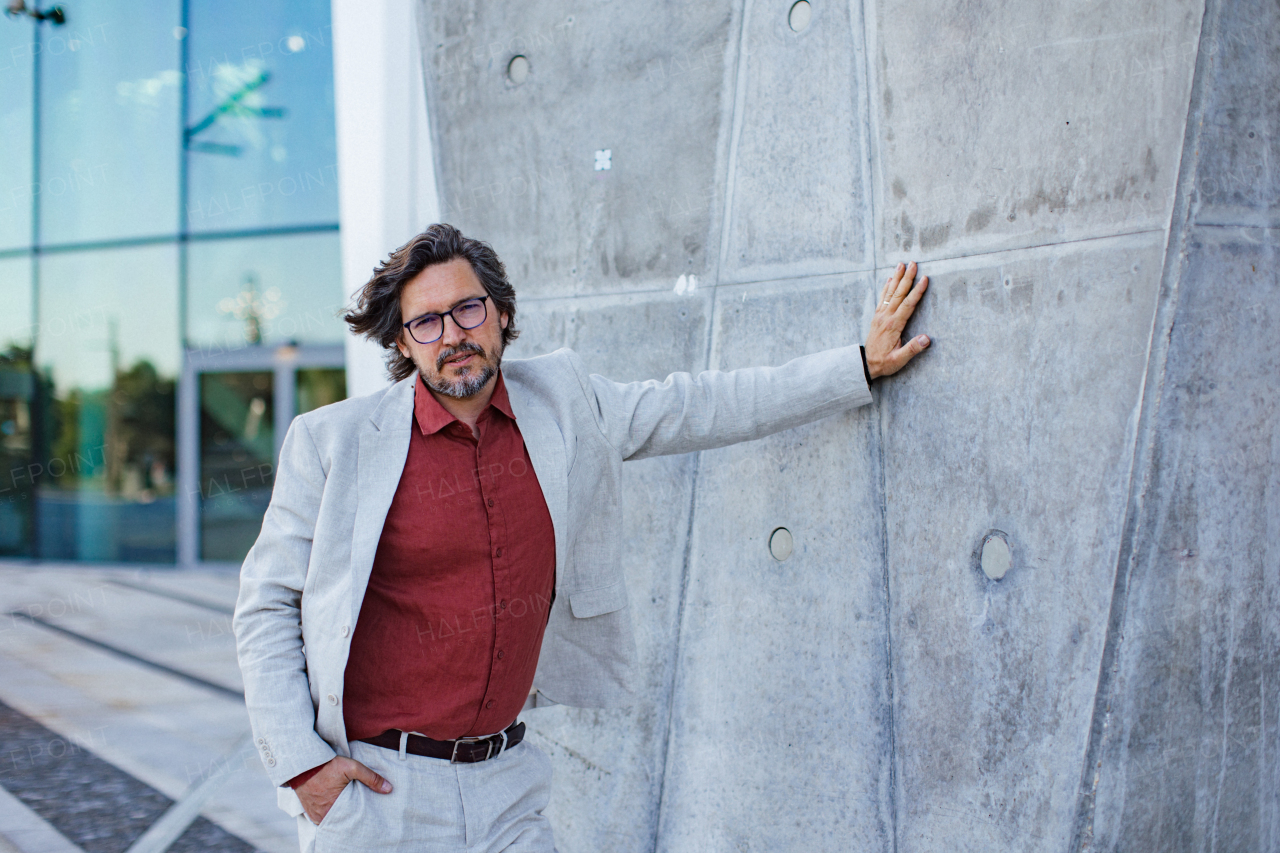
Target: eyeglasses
429, 328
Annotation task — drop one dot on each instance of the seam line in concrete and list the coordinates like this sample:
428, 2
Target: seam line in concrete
731, 167
174, 596
867, 17
1239, 226
1142, 475
130, 656
708, 348
996, 256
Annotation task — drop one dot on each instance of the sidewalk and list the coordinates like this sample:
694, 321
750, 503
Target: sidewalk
122, 720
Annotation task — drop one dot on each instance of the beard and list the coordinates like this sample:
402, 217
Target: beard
475, 377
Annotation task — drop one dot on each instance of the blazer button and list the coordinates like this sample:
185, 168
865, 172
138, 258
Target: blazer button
346, 630
262, 740
271, 762
333, 700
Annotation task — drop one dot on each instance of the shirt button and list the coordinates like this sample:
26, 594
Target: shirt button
489, 704
500, 654
499, 552
333, 700
503, 604
346, 630
490, 501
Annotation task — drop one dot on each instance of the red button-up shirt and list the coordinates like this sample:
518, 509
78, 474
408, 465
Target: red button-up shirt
449, 633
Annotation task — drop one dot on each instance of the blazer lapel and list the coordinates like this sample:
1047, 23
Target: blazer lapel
384, 446
546, 446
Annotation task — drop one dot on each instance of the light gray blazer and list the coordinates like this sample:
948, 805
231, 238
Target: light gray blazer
303, 581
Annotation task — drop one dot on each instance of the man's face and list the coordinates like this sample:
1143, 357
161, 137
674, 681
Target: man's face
463, 361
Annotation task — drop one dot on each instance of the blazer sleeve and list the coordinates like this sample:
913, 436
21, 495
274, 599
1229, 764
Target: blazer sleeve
684, 413
268, 616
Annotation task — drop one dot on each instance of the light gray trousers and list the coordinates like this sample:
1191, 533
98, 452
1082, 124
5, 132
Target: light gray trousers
435, 806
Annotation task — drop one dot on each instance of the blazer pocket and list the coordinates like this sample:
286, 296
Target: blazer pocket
586, 603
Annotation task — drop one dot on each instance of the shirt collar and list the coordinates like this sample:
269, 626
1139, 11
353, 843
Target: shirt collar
433, 417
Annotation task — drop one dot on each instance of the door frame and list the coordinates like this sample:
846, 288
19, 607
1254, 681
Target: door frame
283, 361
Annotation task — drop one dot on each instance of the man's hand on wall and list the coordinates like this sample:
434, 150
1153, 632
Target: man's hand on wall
886, 353
320, 792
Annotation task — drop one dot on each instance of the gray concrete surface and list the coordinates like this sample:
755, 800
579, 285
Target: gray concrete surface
1093, 191
120, 702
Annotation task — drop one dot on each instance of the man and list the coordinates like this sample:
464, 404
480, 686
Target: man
434, 551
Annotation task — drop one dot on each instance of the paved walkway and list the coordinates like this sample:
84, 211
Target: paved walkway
122, 720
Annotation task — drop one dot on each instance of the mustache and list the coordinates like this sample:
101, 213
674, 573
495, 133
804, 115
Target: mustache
467, 346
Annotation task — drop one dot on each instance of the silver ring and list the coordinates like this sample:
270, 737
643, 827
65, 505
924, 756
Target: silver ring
886, 302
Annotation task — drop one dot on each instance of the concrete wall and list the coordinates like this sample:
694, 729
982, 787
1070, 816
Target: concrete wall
1092, 190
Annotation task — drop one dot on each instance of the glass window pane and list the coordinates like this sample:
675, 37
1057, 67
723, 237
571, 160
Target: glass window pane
261, 148
318, 386
15, 296
16, 51
110, 129
268, 290
17, 385
237, 449
108, 355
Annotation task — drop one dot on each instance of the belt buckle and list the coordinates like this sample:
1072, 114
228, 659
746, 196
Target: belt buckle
453, 759
489, 753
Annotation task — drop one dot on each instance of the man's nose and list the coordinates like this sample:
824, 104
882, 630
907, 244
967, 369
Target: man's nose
453, 333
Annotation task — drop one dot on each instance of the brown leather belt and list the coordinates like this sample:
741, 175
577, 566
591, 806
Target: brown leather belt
467, 750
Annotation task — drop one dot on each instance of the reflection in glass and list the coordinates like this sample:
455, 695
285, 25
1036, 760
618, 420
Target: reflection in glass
318, 386
107, 355
16, 52
260, 127
264, 290
237, 450
17, 386
110, 135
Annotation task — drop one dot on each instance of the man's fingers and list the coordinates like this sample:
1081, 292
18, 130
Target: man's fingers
909, 350
902, 286
891, 284
372, 780
915, 295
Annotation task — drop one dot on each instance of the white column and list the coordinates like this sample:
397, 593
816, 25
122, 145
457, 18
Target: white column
386, 174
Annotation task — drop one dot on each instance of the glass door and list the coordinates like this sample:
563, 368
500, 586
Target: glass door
237, 460
235, 409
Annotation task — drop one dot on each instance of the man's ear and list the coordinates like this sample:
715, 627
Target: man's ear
503, 319
404, 350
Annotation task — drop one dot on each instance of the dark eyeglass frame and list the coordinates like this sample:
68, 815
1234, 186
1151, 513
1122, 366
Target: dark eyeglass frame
449, 314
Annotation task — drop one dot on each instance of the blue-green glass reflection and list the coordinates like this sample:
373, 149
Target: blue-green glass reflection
108, 356
110, 131
237, 452
17, 49
16, 411
264, 290
15, 295
260, 128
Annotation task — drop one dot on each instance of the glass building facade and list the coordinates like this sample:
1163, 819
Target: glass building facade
169, 271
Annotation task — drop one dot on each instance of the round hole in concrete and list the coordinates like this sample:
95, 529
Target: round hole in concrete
518, 70
800, 15
781, 544
996, 557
